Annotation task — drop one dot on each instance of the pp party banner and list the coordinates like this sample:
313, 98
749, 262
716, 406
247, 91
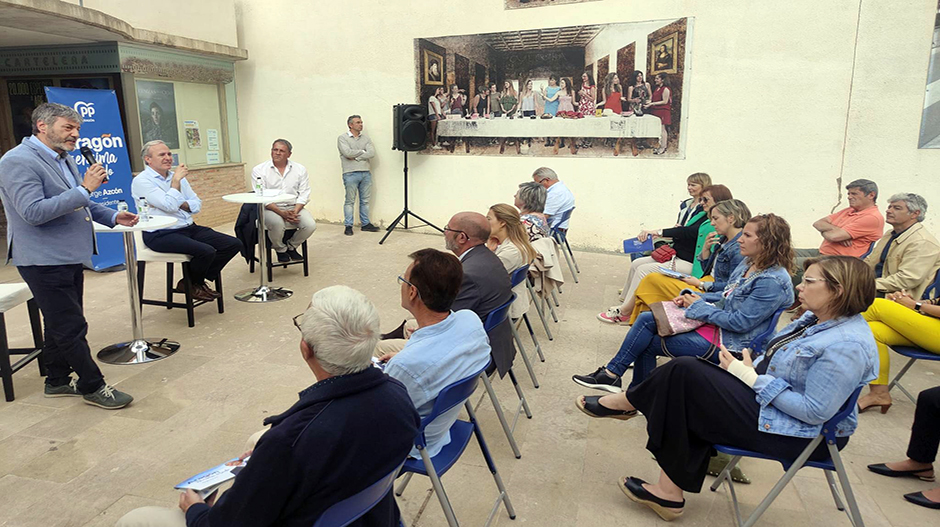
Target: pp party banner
103, 132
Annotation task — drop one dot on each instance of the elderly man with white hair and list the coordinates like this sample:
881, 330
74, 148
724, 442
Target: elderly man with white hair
907, 257
558, 197
323, 449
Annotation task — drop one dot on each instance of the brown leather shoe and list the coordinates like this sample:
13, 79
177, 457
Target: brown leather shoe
180, 287
205, 287
201, 294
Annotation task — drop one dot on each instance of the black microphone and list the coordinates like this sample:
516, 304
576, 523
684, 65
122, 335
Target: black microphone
90, 159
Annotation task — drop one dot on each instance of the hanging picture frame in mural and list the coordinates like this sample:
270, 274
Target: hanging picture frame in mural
663, 55
433, 69
547, 92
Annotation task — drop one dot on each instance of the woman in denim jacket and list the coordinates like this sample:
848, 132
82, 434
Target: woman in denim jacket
775, 406
758, 287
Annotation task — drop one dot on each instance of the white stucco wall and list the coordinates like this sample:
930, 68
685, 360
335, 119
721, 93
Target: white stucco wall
784, 98
210, 20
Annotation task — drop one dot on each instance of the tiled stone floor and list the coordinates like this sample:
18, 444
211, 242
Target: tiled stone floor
63, 463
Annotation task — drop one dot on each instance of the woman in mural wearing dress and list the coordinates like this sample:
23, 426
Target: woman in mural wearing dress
456, 101
613, 94
638, 93
563, 99
660, 105
528, 103
587, 100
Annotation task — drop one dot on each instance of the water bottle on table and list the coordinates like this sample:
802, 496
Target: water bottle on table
144, 210
122, 206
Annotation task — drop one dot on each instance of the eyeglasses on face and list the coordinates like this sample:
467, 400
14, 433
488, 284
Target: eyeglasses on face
296, 320
402, 280
810, 281
446, 229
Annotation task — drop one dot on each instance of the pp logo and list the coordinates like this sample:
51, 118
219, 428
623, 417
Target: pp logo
85, 109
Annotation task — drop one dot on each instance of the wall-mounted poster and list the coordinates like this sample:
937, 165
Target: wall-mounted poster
517, 4
193, 139
930, 118
156, 102
663, 55
542, 97
433, 69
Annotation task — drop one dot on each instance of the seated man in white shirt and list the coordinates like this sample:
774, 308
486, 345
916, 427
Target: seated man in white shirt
446, 347
558, 198
290, 178
169, 194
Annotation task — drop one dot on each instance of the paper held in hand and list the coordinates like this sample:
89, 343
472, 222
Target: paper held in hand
636, 246
672, 274
205, 483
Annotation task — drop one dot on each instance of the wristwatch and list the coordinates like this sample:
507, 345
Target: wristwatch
917, 306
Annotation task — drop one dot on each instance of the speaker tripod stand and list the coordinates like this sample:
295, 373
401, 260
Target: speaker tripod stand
403, 217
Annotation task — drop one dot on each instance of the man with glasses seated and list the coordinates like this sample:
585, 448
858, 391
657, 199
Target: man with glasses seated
485, 286
447, 346
558, 197
323, 449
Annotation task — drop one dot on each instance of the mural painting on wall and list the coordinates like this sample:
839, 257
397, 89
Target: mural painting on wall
592, 91
517, 4
930, 118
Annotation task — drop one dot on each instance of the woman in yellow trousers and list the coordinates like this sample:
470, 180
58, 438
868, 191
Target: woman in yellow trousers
898, 320
728, 218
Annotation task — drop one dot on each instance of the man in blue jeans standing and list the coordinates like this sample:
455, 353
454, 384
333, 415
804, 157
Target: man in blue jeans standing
355, 151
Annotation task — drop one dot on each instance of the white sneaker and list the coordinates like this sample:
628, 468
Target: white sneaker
437, 147
613, 316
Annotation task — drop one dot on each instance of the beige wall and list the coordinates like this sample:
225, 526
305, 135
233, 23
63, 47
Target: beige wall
209, 20
784, 99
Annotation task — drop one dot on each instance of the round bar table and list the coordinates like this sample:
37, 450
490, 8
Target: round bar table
139, 350
262, 293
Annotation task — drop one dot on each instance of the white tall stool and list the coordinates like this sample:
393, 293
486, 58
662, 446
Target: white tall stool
146, 254
12, 295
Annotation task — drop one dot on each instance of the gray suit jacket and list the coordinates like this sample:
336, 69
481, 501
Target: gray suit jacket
485, 287
49, 219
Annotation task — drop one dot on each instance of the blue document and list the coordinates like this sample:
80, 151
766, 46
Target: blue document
636, 246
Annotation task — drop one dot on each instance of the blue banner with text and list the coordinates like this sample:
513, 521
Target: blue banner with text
103, 133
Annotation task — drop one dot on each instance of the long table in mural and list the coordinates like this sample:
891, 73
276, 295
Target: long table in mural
619, 128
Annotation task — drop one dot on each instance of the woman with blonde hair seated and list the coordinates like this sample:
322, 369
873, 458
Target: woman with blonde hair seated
775, 405
510, 242
720, 256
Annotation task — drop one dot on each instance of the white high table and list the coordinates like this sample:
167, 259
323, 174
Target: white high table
262, 293
139, 350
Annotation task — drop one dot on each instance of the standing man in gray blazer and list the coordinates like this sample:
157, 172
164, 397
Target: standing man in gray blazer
49, 237
355, 151
485, 284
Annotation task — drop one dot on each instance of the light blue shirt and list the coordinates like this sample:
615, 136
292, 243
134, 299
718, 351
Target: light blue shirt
558, 199
434, 358
165, 200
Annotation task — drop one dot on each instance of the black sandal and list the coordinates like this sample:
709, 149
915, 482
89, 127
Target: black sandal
593, 408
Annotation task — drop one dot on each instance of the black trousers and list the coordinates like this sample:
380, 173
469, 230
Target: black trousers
925, 434
58, 290
210, 250
691, 404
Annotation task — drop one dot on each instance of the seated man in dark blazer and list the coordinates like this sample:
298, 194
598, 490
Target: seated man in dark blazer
323, 449
485, 284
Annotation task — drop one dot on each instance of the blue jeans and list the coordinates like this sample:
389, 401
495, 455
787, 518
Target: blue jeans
642, 344
361, 181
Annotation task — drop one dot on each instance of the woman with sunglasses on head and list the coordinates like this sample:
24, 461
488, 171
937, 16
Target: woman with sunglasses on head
775, 405
687, 241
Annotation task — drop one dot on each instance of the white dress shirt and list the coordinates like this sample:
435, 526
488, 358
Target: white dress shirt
295, 181
165, 200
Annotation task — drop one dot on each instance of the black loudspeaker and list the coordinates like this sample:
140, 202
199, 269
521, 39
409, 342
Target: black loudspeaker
410, 127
